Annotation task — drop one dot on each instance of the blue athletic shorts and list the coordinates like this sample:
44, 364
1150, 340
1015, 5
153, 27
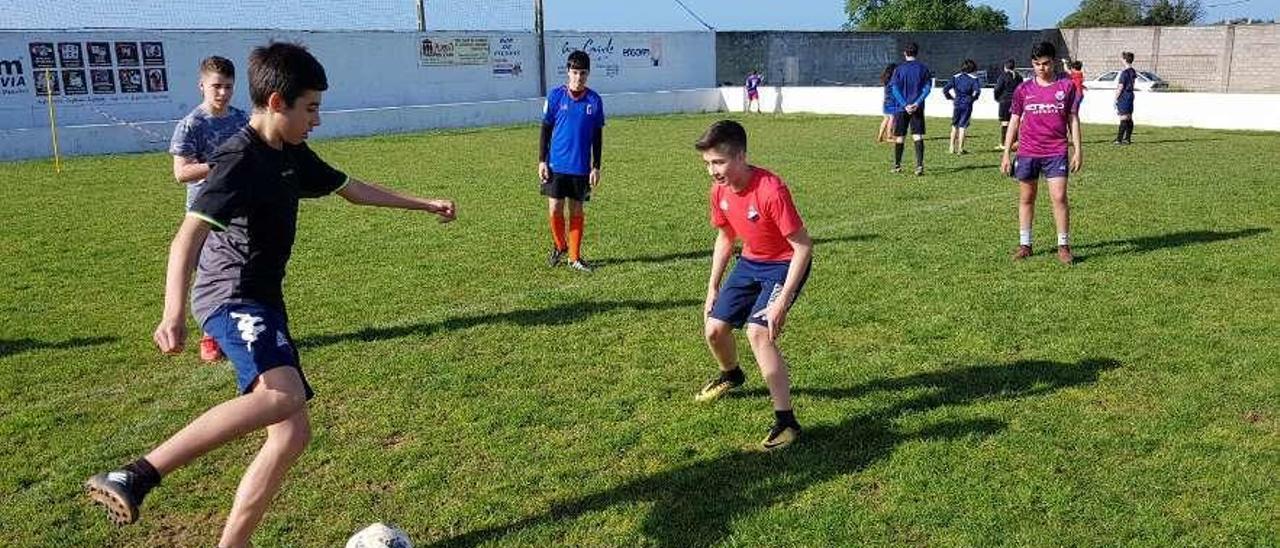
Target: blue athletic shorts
1026, 168
752, 286
960, 116
255, 338
1124, 103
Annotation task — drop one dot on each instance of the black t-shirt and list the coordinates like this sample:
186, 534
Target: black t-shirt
1005, 84
251, 200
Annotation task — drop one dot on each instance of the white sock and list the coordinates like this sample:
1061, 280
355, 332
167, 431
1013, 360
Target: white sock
1024, 236
1064, 238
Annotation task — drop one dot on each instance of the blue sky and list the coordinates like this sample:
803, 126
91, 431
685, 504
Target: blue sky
505, 14
810, 14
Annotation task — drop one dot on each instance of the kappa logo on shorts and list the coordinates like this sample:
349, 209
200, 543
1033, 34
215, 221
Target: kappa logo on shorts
250, 327
773, 296
281, 340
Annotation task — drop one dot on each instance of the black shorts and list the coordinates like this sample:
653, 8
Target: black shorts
562, 185
914, 119
1006, 111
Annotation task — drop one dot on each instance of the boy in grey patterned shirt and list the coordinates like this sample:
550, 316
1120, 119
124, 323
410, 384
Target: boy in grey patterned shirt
199, 134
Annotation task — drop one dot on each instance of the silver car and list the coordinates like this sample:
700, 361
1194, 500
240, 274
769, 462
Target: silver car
1146, 81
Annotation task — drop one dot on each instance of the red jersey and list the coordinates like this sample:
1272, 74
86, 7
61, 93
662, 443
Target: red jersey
762, 216
1077, 79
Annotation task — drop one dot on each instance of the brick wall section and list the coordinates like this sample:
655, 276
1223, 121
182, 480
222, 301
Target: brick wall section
1212, 59
1255, 65
857, 58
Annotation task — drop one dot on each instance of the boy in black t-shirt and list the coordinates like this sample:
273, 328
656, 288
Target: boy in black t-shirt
250, 203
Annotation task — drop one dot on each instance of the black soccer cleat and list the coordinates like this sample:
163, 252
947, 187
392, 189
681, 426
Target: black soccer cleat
581, 265
120, 494
556, 255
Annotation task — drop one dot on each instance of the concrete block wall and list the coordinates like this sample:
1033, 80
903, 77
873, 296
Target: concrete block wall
857, 58
1210, 59
1255, 67
1223, 59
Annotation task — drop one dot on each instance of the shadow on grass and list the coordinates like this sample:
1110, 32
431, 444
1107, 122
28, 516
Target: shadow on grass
9, 347
706, 253
992, 167
1146, 244
555, 315
697, 504
1141, 141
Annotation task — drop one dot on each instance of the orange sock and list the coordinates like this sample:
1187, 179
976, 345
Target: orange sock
557, 231
575, 237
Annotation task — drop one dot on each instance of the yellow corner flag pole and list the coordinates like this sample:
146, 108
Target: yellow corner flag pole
53, 120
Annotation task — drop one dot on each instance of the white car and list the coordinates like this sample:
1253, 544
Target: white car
1146, 81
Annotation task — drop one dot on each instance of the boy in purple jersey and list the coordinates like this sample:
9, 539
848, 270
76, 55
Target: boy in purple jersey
1043, 116
753, 90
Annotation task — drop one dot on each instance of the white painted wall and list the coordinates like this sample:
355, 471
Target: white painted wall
1202, 110
378, 81
113, 138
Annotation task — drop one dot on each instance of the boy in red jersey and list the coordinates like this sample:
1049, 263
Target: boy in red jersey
751, 204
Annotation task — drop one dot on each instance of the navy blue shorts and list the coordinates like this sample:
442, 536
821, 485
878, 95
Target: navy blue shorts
960, 116
255, 339
1124, 103
1026, 168
751, 286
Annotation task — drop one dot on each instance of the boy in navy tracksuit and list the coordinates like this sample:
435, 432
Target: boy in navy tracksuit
964, 88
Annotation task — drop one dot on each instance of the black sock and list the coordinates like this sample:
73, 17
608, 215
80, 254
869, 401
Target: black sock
786, 418
147, 474
1128, 130
919, 152
1004, 133
897, 153
734, 375
1120, 131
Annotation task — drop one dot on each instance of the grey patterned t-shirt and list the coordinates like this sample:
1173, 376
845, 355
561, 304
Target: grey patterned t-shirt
199, 134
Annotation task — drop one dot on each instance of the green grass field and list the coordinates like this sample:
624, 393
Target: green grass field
473, 396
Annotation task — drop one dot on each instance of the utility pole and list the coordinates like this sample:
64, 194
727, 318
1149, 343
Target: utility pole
540, 35
422, 17
1026, 14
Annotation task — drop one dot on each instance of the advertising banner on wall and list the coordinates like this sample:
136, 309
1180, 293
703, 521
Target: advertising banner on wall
82, 72
612, 55
444, 50
507, 57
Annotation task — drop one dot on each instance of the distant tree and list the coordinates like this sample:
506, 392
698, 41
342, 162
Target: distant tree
1103, 13
917, 15
1132, 13
1163, 13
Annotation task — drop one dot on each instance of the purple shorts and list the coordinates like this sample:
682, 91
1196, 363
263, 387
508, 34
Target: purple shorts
1026, 168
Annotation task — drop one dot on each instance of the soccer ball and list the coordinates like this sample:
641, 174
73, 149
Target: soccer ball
380, 535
